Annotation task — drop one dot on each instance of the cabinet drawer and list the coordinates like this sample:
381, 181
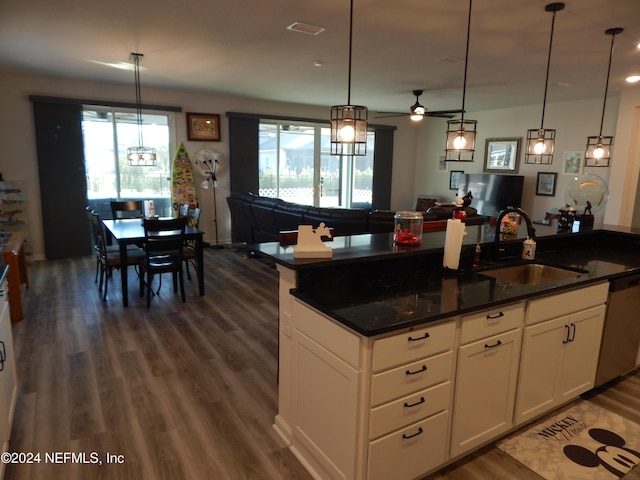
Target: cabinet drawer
410, 409
411, 452
411, 378
491, 322
561, 304
411, 345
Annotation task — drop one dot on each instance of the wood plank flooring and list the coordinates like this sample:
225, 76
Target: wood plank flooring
181, 391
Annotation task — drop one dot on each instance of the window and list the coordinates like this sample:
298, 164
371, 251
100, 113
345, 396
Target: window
107, 133
295, 164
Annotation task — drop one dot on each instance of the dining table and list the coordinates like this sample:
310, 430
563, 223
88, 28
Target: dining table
128, 231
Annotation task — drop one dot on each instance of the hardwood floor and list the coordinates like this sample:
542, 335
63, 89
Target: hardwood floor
181, 391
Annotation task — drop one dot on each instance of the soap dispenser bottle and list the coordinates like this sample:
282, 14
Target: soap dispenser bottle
529, 249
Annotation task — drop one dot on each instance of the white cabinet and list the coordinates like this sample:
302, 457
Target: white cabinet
559, 355
408, 434
8, 385
370, 408
399, 405
326, 387
486, 377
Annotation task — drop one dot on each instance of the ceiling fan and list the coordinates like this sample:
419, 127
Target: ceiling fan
417, 112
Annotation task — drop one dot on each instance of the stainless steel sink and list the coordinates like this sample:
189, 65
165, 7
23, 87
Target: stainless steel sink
532, 273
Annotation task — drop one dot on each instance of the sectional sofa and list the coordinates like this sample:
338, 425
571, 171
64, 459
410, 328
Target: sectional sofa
258, 219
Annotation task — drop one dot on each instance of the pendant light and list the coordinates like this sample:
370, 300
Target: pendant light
461, 134
598, 153
140, 156
349, 122
540, 141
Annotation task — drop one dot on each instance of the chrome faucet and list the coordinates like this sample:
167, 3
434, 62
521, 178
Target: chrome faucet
531, 232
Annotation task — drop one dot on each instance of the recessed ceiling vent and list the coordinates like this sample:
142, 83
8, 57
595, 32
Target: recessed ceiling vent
451, 60
305, 28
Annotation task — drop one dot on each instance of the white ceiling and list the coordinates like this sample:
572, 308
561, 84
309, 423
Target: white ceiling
242, 48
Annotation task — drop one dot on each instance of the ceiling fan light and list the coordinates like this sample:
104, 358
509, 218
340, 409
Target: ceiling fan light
418, 109
416, 117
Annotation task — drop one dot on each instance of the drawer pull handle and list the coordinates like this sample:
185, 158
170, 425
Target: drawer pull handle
423, 369
406, 437
407, 405
3, 355
566, 338
426, 335
497, 344
497, 315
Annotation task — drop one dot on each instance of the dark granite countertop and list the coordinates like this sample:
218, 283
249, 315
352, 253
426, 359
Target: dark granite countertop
372, 287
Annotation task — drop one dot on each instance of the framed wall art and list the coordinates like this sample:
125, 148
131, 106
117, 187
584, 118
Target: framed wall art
546, 184
203, 127
454, 179
501, 155
572, 163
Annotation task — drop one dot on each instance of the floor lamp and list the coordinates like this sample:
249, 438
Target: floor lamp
212, 164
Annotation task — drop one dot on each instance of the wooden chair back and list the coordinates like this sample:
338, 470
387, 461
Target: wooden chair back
127, 209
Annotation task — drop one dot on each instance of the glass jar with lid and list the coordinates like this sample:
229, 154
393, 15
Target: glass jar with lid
407, 227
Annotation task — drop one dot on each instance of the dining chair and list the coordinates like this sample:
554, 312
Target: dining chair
183, 210
189, 252
163, 245
126, 209
94, 239
109, 255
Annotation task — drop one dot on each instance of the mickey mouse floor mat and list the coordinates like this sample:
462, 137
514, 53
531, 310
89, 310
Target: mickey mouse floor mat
584, 442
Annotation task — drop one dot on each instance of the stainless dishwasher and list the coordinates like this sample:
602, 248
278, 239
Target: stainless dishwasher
619, 351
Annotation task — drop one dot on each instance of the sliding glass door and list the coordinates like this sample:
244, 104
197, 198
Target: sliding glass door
107, 133
295, 164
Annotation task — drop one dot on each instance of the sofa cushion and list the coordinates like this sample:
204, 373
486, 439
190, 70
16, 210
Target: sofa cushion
344, 221
289, 215
381, 221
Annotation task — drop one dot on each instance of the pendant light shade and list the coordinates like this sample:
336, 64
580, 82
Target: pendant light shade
461, 134
349, 122
599, 149
541, 141
140, 155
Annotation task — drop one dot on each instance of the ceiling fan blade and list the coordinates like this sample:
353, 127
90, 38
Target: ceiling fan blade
393, 115
444, 113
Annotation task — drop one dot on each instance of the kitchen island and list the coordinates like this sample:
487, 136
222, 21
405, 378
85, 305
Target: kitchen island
390, 364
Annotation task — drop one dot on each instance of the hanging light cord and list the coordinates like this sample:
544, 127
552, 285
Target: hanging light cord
136, 71
350, 48
466, 61
546, 80
612, 32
